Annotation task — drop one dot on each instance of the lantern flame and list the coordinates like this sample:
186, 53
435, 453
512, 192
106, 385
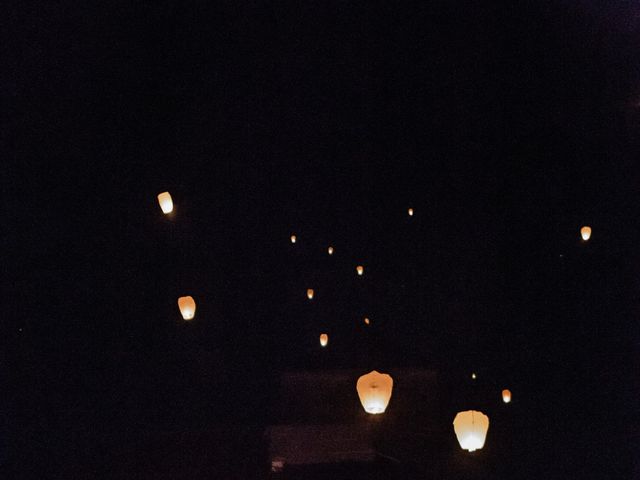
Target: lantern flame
471, 429
187, 306
374, 390
166, 203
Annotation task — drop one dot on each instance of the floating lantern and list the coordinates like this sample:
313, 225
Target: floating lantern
410, 211
330, 250
310, 293
324, 339
360, 269
293, 239
374, 390
367, 321
187, 306
585, 232
471, 429
473, 376
166, 204
506, 395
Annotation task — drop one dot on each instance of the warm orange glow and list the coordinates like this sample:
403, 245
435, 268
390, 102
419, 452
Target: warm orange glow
471, 429
366, 320
330, 250
310, 293
293, 239
166, 203
585, 232
410, 211
374, 390
324, 339
506, 395
187, 306
360, 270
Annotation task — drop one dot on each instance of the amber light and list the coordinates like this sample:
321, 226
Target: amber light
471, 429
166, 203
374, 390
187, 306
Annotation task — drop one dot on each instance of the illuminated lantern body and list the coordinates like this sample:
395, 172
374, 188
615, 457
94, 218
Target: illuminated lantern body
360, 269
310, 294
506, 395
293, 239
166, 204
374, 390
410, 211
585, 232
366, 320
187, 306
324, 339
473, 376
471, 429
330, 250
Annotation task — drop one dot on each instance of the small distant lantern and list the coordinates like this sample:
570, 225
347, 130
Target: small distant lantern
585, 232
293, 239
360, 269
324, 339
367, 321
473, 376
471, 429
374, 390
166, 203
310, 293
187, 306
410, 212
330, 250
506, 395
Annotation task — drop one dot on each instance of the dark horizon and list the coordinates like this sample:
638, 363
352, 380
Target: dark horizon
505, 127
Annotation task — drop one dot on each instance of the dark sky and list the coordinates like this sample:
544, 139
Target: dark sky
506, 126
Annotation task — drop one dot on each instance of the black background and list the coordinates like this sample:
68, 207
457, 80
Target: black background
506, 126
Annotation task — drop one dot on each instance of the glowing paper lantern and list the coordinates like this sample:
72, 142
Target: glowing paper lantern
330, 250
410, 211
366, 320
324, 339
187, 306
506, 395
473, 376
293, 239
310, 293
585, 232
166, 204
374, 390
360, 269
471, 429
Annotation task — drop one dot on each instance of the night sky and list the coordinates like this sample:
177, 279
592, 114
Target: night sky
506, 126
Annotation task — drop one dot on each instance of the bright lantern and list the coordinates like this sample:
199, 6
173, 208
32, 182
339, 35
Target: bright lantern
324, 339
166, 204
585, 232
374, 390
310, 293
187, 306
293, 239
506, 395
410, 211
366, 320
471, 429
360, 269
330, 250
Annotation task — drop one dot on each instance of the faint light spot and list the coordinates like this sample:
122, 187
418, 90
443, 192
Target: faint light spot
473, 376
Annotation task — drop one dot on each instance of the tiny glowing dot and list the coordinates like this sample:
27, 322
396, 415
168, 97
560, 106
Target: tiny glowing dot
330, 250
367, 321
293, 239
473, 375
410, 211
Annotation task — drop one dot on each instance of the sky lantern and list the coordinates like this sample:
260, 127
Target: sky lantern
506, 395
330, 250
473, 376
310, 293
293, 239
187, 306
324, 339
360, 270
367, 321
471, 429
585, 232
166, 204
410, 212
374, 390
